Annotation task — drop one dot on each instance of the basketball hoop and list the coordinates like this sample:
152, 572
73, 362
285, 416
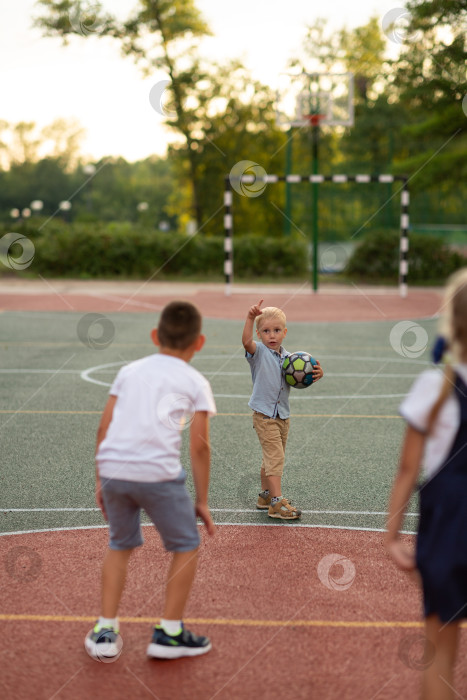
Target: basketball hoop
314, 119
302, 95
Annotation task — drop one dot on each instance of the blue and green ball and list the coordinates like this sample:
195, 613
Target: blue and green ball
298, 369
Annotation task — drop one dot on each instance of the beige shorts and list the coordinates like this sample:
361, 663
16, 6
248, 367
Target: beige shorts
272, 434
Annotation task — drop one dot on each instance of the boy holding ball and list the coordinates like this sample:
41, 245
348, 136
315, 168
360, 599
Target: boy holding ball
270, 403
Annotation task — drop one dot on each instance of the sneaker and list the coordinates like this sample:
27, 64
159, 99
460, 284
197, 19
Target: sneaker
166, 646
103, 644
283, 510
264, 501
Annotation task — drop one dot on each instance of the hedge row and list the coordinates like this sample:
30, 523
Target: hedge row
376, 258
125, 250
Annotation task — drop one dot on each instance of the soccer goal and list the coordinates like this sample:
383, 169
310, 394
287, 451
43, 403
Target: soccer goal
316, 179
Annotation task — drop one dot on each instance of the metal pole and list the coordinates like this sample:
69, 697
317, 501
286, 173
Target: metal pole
315, 141
288, 189
388, 217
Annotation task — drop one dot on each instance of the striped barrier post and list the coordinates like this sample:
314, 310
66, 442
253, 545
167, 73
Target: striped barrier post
404, 241
228, 240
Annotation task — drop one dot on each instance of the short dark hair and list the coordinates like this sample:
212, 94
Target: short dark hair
179, 325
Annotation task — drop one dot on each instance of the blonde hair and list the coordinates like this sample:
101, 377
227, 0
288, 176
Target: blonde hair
454, 323
453, 327
271, 312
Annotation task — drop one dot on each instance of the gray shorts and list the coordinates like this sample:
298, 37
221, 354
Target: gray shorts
168, 505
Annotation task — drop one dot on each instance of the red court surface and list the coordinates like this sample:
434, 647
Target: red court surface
331, 303
276, 626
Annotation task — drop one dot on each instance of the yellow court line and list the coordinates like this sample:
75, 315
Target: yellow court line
293, 415
53, 412
321, 415
228, 622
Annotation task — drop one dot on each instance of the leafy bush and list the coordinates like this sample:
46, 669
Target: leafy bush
376, 258
122, 249
260, 256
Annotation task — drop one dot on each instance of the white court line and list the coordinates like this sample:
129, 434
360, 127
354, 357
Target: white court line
39, 371
86, 375
47, 510
324, 527
105, 369
198, 358
358, 375
361, 358
24, 370
318, 398
213, 510
314, 512
102, 527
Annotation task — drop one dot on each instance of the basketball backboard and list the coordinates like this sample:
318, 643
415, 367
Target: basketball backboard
301, 95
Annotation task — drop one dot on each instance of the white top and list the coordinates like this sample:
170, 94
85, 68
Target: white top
416, 409
156, 398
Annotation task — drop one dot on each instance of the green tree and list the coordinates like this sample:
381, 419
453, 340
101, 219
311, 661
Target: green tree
431, 85
112, 195
24, 182
235, 122
119, 187
160, 34
360, 51
62, 140
369, 145
25, 143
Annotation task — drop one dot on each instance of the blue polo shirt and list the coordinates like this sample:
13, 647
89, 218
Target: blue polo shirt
270, 390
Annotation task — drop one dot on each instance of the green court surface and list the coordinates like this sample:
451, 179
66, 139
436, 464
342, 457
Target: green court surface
343, 444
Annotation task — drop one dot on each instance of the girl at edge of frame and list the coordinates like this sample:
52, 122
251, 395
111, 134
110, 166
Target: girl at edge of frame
436, 435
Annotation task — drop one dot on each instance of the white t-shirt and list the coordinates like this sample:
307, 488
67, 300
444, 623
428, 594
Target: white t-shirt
416, 409
156, 397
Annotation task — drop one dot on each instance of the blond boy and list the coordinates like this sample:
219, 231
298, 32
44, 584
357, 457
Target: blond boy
270, 403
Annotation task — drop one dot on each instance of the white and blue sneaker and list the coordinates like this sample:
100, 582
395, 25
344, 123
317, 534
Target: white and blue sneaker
185, 643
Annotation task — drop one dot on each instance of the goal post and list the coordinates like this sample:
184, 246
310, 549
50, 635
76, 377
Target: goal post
316, 179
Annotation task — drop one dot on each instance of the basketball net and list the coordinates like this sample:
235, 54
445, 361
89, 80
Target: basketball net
314, 119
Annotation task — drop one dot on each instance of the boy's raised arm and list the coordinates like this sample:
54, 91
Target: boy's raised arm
200, 452
247, 335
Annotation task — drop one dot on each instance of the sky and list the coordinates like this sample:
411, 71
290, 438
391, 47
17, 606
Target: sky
89, 81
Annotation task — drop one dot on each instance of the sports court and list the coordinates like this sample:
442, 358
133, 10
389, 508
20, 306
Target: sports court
313, 608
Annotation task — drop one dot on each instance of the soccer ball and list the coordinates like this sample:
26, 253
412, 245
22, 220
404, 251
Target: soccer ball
298, 368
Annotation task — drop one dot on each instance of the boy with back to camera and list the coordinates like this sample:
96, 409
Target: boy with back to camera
138, 467
270, 403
